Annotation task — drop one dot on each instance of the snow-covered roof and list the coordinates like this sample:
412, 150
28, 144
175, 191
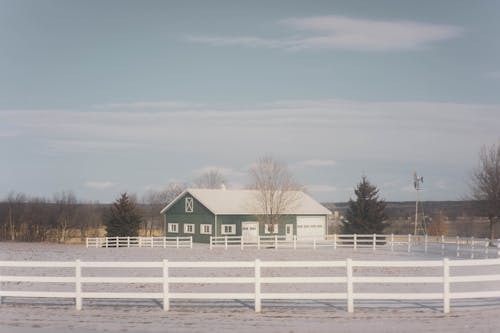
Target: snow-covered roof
245, 202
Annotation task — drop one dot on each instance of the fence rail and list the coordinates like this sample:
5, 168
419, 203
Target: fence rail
164, 242
348, 277
460, 246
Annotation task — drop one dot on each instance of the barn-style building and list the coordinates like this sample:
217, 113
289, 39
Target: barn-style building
202, 213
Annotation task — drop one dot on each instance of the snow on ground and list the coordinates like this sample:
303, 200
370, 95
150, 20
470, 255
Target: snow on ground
21, 315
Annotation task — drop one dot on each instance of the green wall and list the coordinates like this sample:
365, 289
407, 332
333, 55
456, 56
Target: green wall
201, 215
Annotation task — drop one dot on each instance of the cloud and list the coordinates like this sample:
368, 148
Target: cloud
313, 163
321, 188
225, 171
100, 185
441, 184
493, 74
345, 33
150, 105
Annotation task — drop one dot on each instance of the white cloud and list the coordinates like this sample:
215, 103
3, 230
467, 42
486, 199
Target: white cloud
493, 74
314, 163
441, 184
100, 185
340, 32
150, 105
225, 171
319, 188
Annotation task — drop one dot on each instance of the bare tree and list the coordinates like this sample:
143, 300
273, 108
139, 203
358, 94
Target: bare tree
276, 190
485, 183
212, 179
66, 206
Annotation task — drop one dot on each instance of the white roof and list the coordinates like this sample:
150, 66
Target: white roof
244, 202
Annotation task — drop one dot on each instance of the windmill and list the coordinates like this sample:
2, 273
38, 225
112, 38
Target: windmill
418, 184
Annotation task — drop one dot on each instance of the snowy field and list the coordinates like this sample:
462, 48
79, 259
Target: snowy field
19, 315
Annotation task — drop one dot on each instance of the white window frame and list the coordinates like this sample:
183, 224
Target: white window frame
187, 226
173, 227
231, 231
188, 205
202, 229
275, 229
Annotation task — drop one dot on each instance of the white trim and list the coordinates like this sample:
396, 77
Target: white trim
188, 204
173, 227
203, 232
187, 226
232, 230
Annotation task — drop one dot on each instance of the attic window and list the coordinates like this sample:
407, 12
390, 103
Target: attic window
188, 205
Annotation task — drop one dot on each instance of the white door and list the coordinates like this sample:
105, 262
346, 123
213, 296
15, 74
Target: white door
310, 227
289, 232
250, 231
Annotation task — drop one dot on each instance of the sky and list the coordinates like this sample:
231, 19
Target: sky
103, 97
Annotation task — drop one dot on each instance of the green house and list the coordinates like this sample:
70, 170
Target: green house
202, 213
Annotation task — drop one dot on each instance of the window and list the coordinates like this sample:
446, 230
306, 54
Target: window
188, 205
173, 227
271, 228
189, 228
206, 229
228, 229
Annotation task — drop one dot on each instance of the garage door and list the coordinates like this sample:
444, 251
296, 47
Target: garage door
310, 227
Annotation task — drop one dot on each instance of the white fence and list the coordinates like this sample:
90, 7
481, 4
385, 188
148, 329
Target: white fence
459, 246
164, 242
347, 278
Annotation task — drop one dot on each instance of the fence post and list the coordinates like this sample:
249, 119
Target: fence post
117, 241
458, 246
294, 242
275, 242
177, 241
486, 248
258, 242
225, 242
152, 241
78, 285
425, 243
442, 245
334, 241
211, 246
409, 243
87, 242
139, 241
128, 241
446, 285
392, 242
374, 242
164, 242
190, 242
472, 247
350, 289
166, 299
257, 286
242, 242
106, 241
355, 241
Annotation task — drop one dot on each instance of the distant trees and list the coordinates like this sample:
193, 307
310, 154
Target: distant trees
485, 183
366, 214
211, 179
122, 218
276, 190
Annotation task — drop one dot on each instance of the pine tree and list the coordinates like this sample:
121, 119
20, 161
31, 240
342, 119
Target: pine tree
122, 219
366, 215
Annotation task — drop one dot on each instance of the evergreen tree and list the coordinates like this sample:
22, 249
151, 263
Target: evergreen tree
123, 218
366, 215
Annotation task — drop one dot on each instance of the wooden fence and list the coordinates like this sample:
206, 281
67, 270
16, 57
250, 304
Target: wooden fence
348, 277
460, 246
164, 242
